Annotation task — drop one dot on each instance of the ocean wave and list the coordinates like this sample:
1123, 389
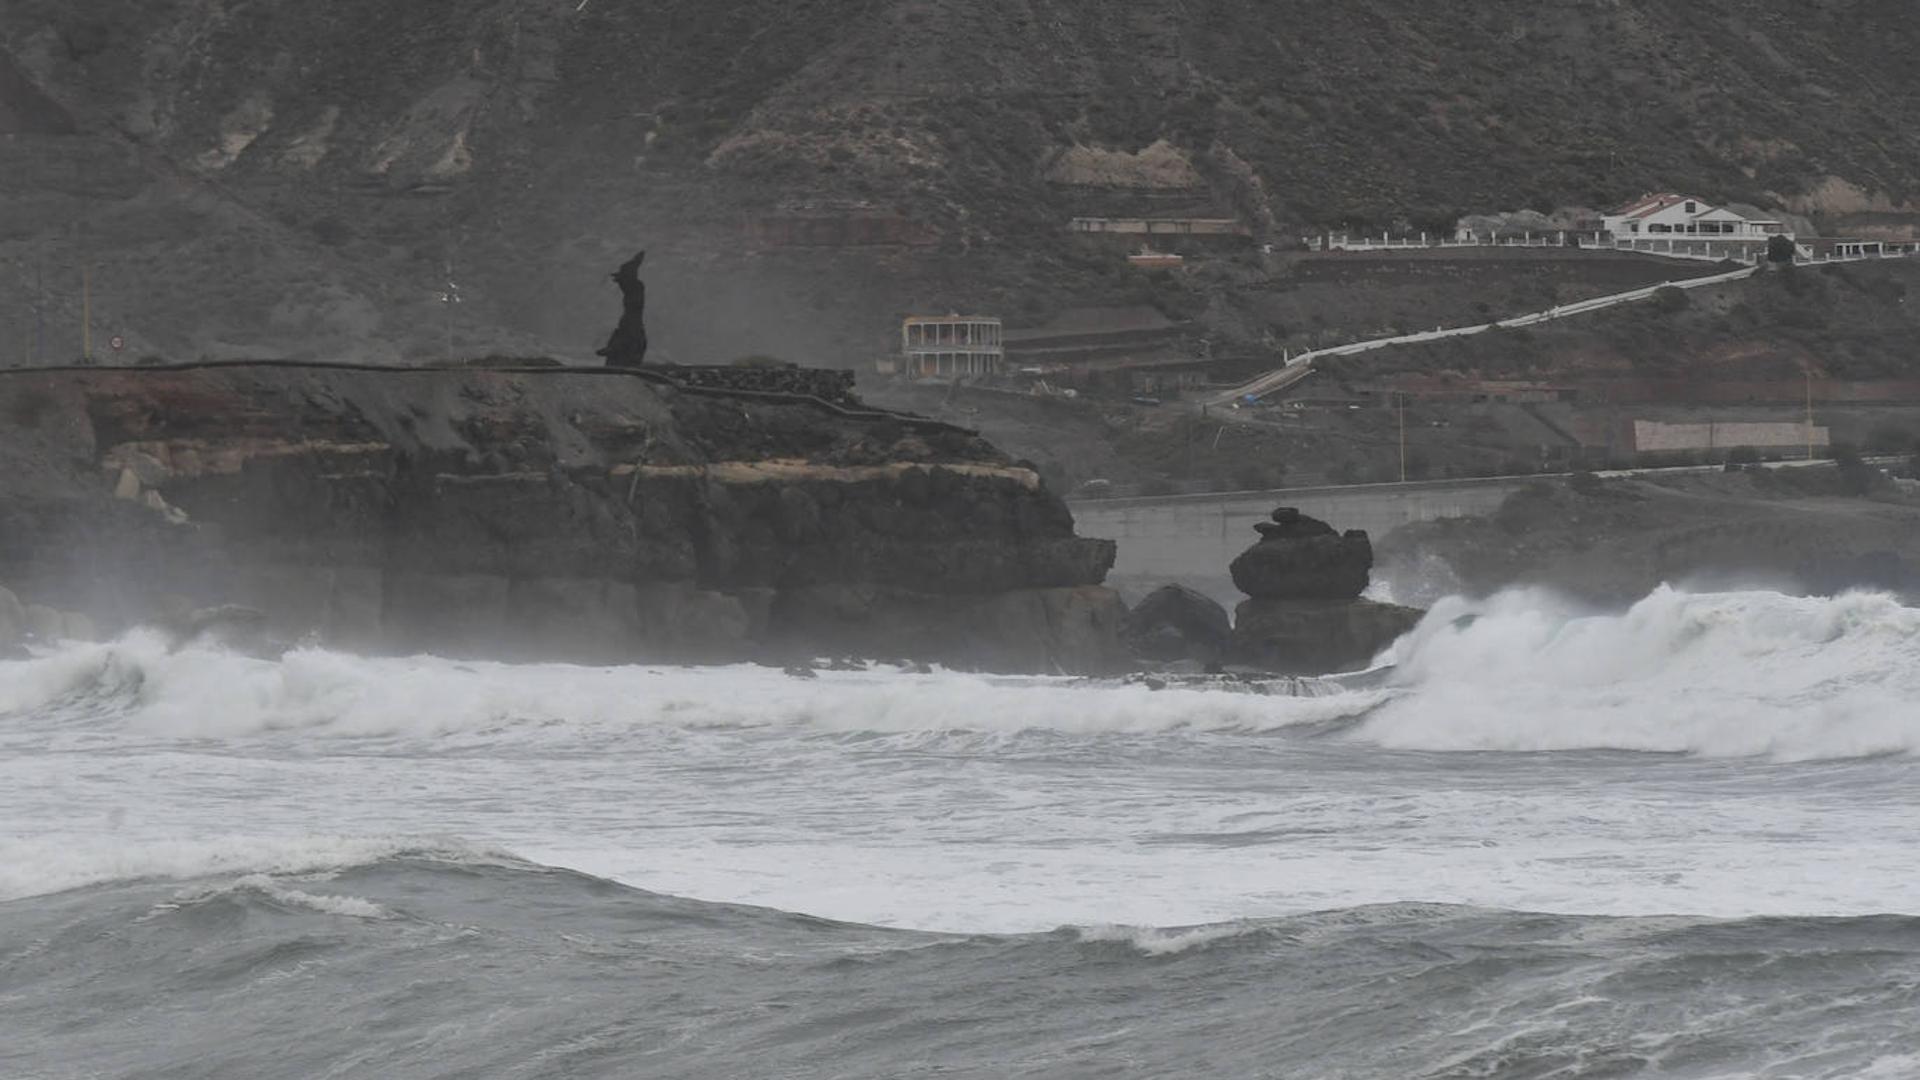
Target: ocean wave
137, 686
1158, 941
33, 867
1747, 674
1744, 674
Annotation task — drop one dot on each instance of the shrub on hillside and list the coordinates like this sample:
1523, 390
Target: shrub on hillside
1780, 250
1671, 300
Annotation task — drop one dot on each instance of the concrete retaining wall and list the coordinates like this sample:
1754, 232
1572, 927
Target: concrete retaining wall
1192, 538
1652, 435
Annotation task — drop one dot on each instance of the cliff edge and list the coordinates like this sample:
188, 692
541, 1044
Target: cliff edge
524, 513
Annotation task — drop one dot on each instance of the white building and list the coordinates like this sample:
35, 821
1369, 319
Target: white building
952, 347
1669, 217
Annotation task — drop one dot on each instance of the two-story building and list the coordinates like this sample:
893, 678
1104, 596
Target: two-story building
1656, 220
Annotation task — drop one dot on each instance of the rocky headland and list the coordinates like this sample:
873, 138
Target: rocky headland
1304, 614
708, 515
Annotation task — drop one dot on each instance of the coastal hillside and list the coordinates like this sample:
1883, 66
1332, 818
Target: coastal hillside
394, 182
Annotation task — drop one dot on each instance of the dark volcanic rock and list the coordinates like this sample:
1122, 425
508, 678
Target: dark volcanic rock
1316, 637
1301, 558
1177, 623
1306, 616
568, 513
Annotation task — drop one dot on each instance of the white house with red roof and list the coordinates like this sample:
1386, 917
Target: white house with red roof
1668, 216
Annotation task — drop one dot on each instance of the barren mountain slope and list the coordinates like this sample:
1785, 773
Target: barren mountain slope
299, 176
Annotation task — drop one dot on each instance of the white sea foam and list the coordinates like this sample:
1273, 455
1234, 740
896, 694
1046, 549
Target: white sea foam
210, 694
959, 802
1155, 941
351, 907
1721, 675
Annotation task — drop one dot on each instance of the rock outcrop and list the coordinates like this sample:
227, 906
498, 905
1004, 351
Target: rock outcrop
1176, 623
1301, 558
584, 514
1305, 615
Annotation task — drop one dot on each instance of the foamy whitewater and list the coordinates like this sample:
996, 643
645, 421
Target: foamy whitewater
1678, 840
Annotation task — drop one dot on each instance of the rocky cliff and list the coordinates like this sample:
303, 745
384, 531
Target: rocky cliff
581, 514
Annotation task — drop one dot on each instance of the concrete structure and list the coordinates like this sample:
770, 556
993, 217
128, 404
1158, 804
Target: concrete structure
1300, 366
1193, 538
952, 347
1160, 226
1121, 350
1157, 260
1652, 436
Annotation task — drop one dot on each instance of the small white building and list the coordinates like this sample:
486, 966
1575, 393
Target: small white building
1667, 217
952, 347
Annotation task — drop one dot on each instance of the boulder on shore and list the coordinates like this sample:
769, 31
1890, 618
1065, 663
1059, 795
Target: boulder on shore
1177, 623
1305, 615
1316, 637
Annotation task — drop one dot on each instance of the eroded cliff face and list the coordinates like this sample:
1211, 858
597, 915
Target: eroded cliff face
559, 513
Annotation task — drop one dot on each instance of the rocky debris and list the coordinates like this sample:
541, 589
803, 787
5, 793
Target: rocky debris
1300, 558
1317, 637
1305, 615
551, 514
1176, 623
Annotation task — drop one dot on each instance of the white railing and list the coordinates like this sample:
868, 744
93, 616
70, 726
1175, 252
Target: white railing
1299, 367
1688, 246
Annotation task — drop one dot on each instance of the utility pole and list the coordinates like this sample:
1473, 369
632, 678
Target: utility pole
1403, 436
1809, 374
40, 308
86, 313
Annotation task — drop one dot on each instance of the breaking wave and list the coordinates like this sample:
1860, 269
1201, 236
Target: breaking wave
1716, 674
1713, 674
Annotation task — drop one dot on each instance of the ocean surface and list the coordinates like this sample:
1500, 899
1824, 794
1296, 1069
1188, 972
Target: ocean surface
1682, 840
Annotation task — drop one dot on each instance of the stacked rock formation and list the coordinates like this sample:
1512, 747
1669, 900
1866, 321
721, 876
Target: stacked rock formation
1305, 615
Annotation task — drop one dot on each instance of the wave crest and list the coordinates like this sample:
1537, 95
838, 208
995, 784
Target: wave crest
1719, 674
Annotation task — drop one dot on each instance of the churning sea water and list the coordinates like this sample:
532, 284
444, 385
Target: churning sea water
1675, 841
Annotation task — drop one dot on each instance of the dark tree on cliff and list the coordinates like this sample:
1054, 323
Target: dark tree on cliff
1779, 249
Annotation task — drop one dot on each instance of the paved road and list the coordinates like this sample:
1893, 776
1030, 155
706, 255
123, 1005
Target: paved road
1301, 366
